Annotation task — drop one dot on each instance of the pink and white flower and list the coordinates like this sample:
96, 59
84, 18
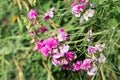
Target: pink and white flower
101, 59
62, 35
100, 47
92, 71
49, 14
91, 50
76, 10
86, 64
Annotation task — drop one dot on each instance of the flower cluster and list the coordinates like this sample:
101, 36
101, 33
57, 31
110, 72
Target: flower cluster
54, 48
77, 10
33, 15
88, 64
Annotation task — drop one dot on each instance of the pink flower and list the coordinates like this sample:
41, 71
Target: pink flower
100, 47
43, 29
64, 48
76, 9
32, 14
62, 35
39, 45
59, 61
102, 58
70, 56
91, 50
82, 0
88, 13
49, 14
77, 66
32, 33
91, 72
58, 55
74, 3
44, 51
86, 64
55, 62
51, 43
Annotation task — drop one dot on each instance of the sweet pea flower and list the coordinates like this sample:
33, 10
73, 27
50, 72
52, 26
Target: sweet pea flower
64, 48
59, 61
92, 71
39, 45
74, 3
62, 35
44, 51
49, 14
76, 9
86, 64
100, 47
43, 29
82, 0
51, 43
91, 50
58, 55
32, 14
55, 62
70, 56
102, 58
88, 13
77, 66
32, 33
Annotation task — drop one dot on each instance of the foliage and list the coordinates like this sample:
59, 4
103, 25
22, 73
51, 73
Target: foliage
18, 61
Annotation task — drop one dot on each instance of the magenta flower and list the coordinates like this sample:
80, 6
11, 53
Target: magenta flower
44, 51
43, 29
39, 45
32, 14
86, 64
77, 66
70, 56
92, 71
49, 14
82, 0
51, 43
91, 50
